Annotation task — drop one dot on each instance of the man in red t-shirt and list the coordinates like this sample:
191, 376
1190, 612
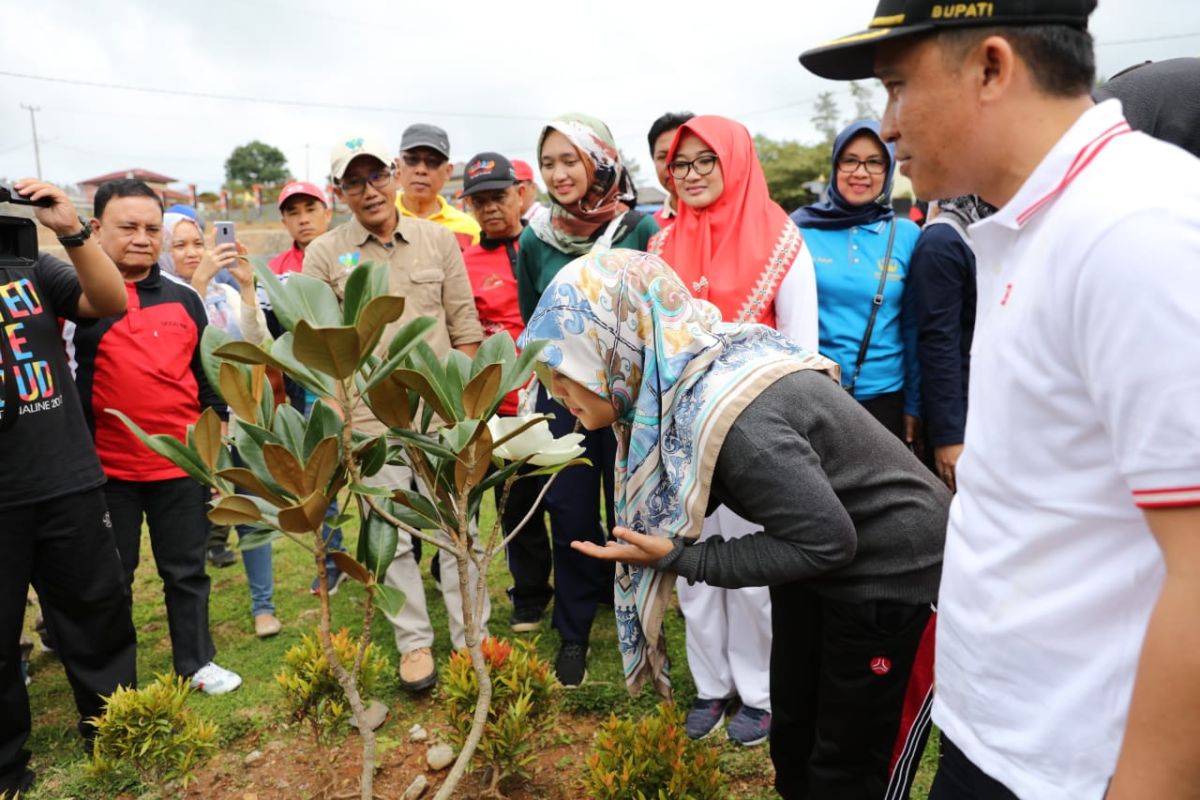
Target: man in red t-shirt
306, 215
492, 195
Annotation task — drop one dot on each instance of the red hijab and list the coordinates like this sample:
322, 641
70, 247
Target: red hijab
735, 252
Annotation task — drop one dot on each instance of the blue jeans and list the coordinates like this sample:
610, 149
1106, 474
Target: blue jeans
259, 572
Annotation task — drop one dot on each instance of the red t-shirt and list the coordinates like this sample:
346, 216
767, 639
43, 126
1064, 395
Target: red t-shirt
494, 283
290, 260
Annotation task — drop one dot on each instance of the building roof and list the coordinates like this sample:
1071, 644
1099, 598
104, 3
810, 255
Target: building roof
137, 172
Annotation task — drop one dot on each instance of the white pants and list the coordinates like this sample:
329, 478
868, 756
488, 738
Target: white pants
411, 625
728, 630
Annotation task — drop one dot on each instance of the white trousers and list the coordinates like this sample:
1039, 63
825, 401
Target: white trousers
412, 627
728, 630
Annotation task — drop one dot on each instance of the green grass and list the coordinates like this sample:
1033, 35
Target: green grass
250, 716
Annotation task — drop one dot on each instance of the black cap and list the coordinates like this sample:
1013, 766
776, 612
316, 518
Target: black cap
852, 57
488, 172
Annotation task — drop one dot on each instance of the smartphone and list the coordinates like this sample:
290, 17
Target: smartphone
225, 233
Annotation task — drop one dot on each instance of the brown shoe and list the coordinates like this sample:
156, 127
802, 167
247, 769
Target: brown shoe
266, 625
417, 670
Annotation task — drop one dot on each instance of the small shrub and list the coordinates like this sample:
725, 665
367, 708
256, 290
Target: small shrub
311, 691
521, 712
151, 730
652, 759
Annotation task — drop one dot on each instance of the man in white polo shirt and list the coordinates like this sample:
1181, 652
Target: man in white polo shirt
1068, 645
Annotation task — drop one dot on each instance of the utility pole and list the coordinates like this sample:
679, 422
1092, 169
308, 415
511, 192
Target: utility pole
37, 153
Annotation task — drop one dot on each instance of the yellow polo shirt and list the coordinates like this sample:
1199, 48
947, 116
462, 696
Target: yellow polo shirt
462, 225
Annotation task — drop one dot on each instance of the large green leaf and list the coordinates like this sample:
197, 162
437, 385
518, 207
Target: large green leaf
481, 396
331, 350
247, 481
322, 423
169, 448
212, 339
246, 353
457, 372
374, 318
377, 545
318, 383
408, 337
523, 367
432, 393
372, 456
289, 428
475, 459
315, 300
287, 309
426, 443
496, 349
355, 293
390, 599
426, 513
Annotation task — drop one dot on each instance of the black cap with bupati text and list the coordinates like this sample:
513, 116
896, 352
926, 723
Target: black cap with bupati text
852, 57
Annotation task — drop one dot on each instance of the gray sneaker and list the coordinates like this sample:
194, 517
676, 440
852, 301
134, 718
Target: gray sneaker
705, 717
750, 726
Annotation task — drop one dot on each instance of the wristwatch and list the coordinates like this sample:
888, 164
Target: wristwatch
77, 239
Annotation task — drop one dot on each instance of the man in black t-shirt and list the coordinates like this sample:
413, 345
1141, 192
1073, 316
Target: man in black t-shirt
54, 526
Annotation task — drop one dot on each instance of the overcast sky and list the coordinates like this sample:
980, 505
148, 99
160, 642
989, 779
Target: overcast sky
490, 73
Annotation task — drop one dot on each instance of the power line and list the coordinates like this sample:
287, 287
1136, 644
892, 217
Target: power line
1148, 39
268, 100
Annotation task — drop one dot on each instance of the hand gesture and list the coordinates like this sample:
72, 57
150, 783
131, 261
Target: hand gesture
638, 549
61, 216
239, 267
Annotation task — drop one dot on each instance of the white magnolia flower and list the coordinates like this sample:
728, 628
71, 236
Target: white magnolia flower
536, 441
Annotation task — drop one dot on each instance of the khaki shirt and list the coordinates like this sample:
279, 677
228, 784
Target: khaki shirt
425, 267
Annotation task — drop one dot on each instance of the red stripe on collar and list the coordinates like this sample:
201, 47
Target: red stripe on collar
1081, 162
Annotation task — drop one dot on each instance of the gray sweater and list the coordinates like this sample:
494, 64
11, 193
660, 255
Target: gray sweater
843, 504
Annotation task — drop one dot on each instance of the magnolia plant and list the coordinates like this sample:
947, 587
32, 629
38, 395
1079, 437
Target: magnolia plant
440, 415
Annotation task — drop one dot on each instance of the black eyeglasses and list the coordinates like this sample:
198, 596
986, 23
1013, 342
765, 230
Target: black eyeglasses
353, 187
850, 164
430, 160
702, 165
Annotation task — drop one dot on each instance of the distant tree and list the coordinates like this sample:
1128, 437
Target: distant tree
631, 166
256, 162
788, 166
864, 101
825, 117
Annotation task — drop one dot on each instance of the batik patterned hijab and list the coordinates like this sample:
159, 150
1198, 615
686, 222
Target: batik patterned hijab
621, 323
573, 228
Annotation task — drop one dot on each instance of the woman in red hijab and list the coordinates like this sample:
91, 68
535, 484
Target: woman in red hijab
732, 244
736, 248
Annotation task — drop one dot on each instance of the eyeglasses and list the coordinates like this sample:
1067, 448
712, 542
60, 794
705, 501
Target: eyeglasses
431, 160
353, 187
703, 165
850, 164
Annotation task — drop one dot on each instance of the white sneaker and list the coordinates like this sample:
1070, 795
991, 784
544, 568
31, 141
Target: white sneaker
213, 679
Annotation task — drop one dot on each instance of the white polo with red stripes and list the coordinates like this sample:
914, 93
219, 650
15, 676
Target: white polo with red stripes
1084, 410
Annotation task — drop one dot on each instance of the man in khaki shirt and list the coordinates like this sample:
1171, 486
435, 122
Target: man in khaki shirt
426, 268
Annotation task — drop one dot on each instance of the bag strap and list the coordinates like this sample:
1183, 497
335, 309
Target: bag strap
876, 302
